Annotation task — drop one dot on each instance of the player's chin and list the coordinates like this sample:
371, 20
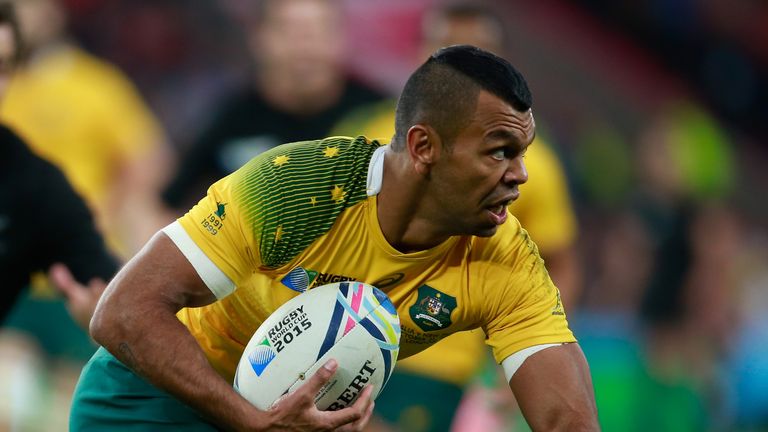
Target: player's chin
486, 231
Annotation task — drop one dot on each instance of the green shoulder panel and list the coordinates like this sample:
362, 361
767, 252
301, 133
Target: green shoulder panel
293, 193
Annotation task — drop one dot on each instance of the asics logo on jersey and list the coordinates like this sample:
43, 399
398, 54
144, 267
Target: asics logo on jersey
389, 280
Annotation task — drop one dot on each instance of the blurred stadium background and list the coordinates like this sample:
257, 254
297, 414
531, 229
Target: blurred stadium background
659, 113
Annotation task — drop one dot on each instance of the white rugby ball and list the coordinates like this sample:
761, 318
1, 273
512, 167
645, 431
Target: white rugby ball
352, 322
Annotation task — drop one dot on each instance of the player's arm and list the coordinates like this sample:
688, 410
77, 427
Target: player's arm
553, 388
136, 321
529, 333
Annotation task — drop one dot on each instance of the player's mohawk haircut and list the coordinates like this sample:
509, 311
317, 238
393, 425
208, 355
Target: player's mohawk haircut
443, 91
491, 72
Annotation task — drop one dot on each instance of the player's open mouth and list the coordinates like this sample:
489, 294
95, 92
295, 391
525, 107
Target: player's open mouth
498, 213
497, 209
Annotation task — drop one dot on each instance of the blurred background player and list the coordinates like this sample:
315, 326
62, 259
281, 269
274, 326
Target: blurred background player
44, 224
42, 220
299, 90
443, 371
86, 117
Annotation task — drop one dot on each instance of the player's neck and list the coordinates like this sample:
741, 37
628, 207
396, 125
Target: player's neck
403, 209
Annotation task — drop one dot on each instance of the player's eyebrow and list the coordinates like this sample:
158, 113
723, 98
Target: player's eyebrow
511, 139
500, 135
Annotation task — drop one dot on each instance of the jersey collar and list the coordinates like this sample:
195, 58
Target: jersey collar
376, 171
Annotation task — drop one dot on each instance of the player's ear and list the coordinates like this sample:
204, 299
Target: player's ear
422, 143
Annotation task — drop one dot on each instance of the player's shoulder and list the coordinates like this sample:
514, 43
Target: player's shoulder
308, 164
292, 194
331, 150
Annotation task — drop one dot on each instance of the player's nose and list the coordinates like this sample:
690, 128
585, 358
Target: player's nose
516, 172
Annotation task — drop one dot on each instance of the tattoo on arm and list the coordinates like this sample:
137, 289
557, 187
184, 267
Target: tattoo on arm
128, 358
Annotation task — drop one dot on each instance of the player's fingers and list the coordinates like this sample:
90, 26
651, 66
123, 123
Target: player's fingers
356, 416
63, 280
321, 377
361, 424
364, 399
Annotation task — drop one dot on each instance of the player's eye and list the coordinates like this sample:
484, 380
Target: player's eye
499, 154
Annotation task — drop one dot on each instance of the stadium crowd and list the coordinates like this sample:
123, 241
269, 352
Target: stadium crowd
652, 117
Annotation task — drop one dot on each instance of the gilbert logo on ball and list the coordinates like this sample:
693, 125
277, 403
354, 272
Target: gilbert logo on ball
352, 322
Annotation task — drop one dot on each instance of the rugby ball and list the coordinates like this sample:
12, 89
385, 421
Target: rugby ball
352, 322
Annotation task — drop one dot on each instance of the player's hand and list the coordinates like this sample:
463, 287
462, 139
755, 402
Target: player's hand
297, 411
81, 299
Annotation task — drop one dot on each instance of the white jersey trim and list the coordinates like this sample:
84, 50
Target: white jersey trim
216, 280
512, 363
376, 171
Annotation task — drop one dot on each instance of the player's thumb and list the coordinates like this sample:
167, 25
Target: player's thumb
322, 376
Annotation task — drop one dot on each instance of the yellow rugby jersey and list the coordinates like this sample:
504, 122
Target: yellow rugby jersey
544, 209
309, 209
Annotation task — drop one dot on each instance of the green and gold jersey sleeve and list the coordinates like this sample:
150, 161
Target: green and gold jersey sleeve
525, 310
265, 214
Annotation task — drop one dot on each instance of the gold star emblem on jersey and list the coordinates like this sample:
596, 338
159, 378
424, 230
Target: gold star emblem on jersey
313, 201
330, 152
338, 194
281, 160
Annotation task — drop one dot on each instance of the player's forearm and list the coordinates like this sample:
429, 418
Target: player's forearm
136, 321
158, 347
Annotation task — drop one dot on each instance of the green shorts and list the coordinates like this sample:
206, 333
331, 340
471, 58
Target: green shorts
110, 397
416, 403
